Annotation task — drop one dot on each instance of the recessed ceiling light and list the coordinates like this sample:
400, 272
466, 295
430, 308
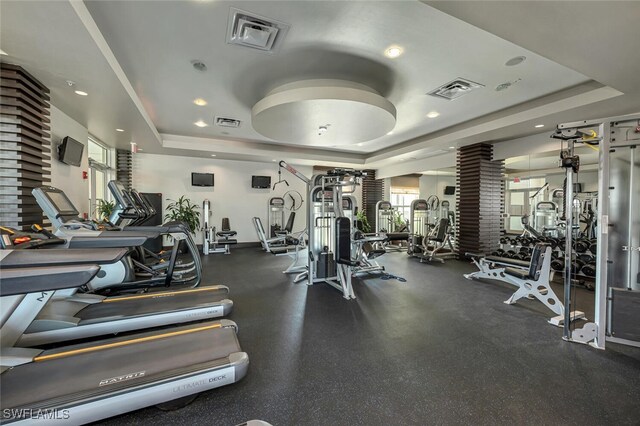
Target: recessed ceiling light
390, 133
140, 149
393, 52
538, 126
274, 160
360, 144
198, 65
515, 61
81, 93
119, 130
2, 52
213, 155
433, 114
452, 147
200, 102
200, 123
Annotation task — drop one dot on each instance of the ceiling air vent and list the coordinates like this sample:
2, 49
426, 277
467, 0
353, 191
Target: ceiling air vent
227, 122
255, 31
455, 89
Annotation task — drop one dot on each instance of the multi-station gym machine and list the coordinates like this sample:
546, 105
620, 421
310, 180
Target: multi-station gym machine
617, 290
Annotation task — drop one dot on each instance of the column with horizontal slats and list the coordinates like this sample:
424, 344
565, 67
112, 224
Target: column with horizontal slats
372, 190
124, 167
25, 145
479, 199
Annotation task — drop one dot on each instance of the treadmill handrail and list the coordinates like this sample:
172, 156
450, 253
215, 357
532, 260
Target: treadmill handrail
49, 278
23, 259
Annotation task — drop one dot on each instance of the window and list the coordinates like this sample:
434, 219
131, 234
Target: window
99, 175
401, 199
520, 201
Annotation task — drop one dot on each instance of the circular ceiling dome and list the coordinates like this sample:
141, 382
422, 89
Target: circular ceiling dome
323, 113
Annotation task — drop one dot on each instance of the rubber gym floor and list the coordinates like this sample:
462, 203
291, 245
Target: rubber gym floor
438, 349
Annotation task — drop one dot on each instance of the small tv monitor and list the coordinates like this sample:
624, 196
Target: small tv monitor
201, 179
577, 187
70, 151
261, 182
449, 190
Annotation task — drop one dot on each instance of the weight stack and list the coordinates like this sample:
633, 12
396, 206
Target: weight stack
480, 200
25, 146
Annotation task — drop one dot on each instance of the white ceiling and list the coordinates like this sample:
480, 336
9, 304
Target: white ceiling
134, 60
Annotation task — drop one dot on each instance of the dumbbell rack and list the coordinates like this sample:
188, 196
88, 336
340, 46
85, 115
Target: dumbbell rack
514, 245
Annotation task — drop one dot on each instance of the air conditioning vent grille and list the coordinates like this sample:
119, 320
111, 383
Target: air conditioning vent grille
254, 31
455, 89
227, 122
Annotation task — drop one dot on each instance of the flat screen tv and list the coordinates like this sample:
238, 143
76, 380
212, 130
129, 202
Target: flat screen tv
449, 190
70, 151
261, 182
201, 179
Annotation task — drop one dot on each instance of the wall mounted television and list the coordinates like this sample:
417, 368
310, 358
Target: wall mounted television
70, 151
449, 190
201, 179
261, 182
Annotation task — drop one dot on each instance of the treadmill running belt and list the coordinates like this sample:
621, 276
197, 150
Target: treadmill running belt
169, 301
89, 374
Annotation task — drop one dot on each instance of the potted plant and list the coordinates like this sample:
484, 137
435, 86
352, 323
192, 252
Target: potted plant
104, 209
399, 221
363, 222
182, 210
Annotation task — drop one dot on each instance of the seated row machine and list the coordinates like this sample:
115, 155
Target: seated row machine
220, 241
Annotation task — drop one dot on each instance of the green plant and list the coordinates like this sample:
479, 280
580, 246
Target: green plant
363, 222
105, 208
398, 220
182, 210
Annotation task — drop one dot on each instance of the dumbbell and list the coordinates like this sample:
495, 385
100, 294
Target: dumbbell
499, 252
525, 250
593, 247
589, 269
587, 258
577, 265
504, 240
581, 246
557, 264
510, 254
555, 254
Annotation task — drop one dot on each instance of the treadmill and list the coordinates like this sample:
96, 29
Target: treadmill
91, 381
81, 233
71, 315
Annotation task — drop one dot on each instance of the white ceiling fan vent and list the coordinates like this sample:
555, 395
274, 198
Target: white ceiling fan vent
255, 31
455, 89
227, 122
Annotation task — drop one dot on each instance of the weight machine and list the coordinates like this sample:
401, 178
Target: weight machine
617, 297
216, 242
330, 230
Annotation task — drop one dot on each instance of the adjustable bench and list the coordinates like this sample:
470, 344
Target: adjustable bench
531, 278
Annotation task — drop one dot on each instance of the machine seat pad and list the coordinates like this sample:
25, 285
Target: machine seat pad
518, 273
228, 241
515, 262
226, 233
397, 236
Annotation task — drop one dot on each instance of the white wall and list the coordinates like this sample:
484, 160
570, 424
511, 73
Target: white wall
69, 178
432, 184
231, 196
588, 179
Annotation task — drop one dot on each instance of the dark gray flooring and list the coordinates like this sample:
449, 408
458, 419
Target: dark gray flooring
438, 349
